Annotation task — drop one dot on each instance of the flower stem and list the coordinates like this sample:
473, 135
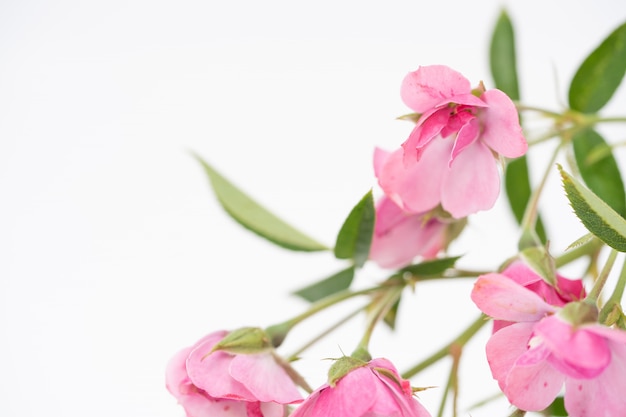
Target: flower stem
278, 332
594, 294
531, 212
460, 340
618, 291
294, 355
381, 308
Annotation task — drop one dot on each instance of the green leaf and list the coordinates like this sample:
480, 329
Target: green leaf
597, 216
355, 237
502, 57
327, 286
601, 175
518, 191
600, 74
255, 217
430, 268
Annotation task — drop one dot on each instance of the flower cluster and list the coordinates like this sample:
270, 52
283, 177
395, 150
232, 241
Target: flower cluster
209, 380
550, 340
553, 340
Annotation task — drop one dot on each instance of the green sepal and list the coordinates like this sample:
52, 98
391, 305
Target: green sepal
246, 340
556, 409
600, 74
540, 260
601, 174
327, 286
597, 216
578, 313
612, 314
355, 237
502, 57
342, 367
256, 218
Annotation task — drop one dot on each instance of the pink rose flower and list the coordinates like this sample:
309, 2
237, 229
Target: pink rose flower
448, 158
375, 389
543, 350
566, 289
399, 236
223, 384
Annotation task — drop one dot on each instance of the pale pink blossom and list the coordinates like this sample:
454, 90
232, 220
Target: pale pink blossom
373, 390
566, 290
448, 158
542, 351
399, 236
221, 384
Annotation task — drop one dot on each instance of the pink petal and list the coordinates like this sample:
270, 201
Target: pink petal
212, 374
613, 335
472, 182
352, 396
264, 378
379, 160
468, 99
579, 353
272, 410
424, 132
177, 381
431, 86
505, 347
399, 237
415, 187
568, 290
199, 406
503, 299
602, 396
501, 129
533, 387
467, 135
398, 402
195, 402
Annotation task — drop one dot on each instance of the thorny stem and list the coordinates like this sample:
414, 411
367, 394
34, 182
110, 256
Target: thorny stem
460, 340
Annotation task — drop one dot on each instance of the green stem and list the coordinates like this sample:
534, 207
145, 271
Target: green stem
611, 312
531, 212
278, 332
452, 384
460, 340
594, 294
549, 113
618, 291
382, 307
294, 355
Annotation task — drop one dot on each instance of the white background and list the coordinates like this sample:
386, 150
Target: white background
114, 253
